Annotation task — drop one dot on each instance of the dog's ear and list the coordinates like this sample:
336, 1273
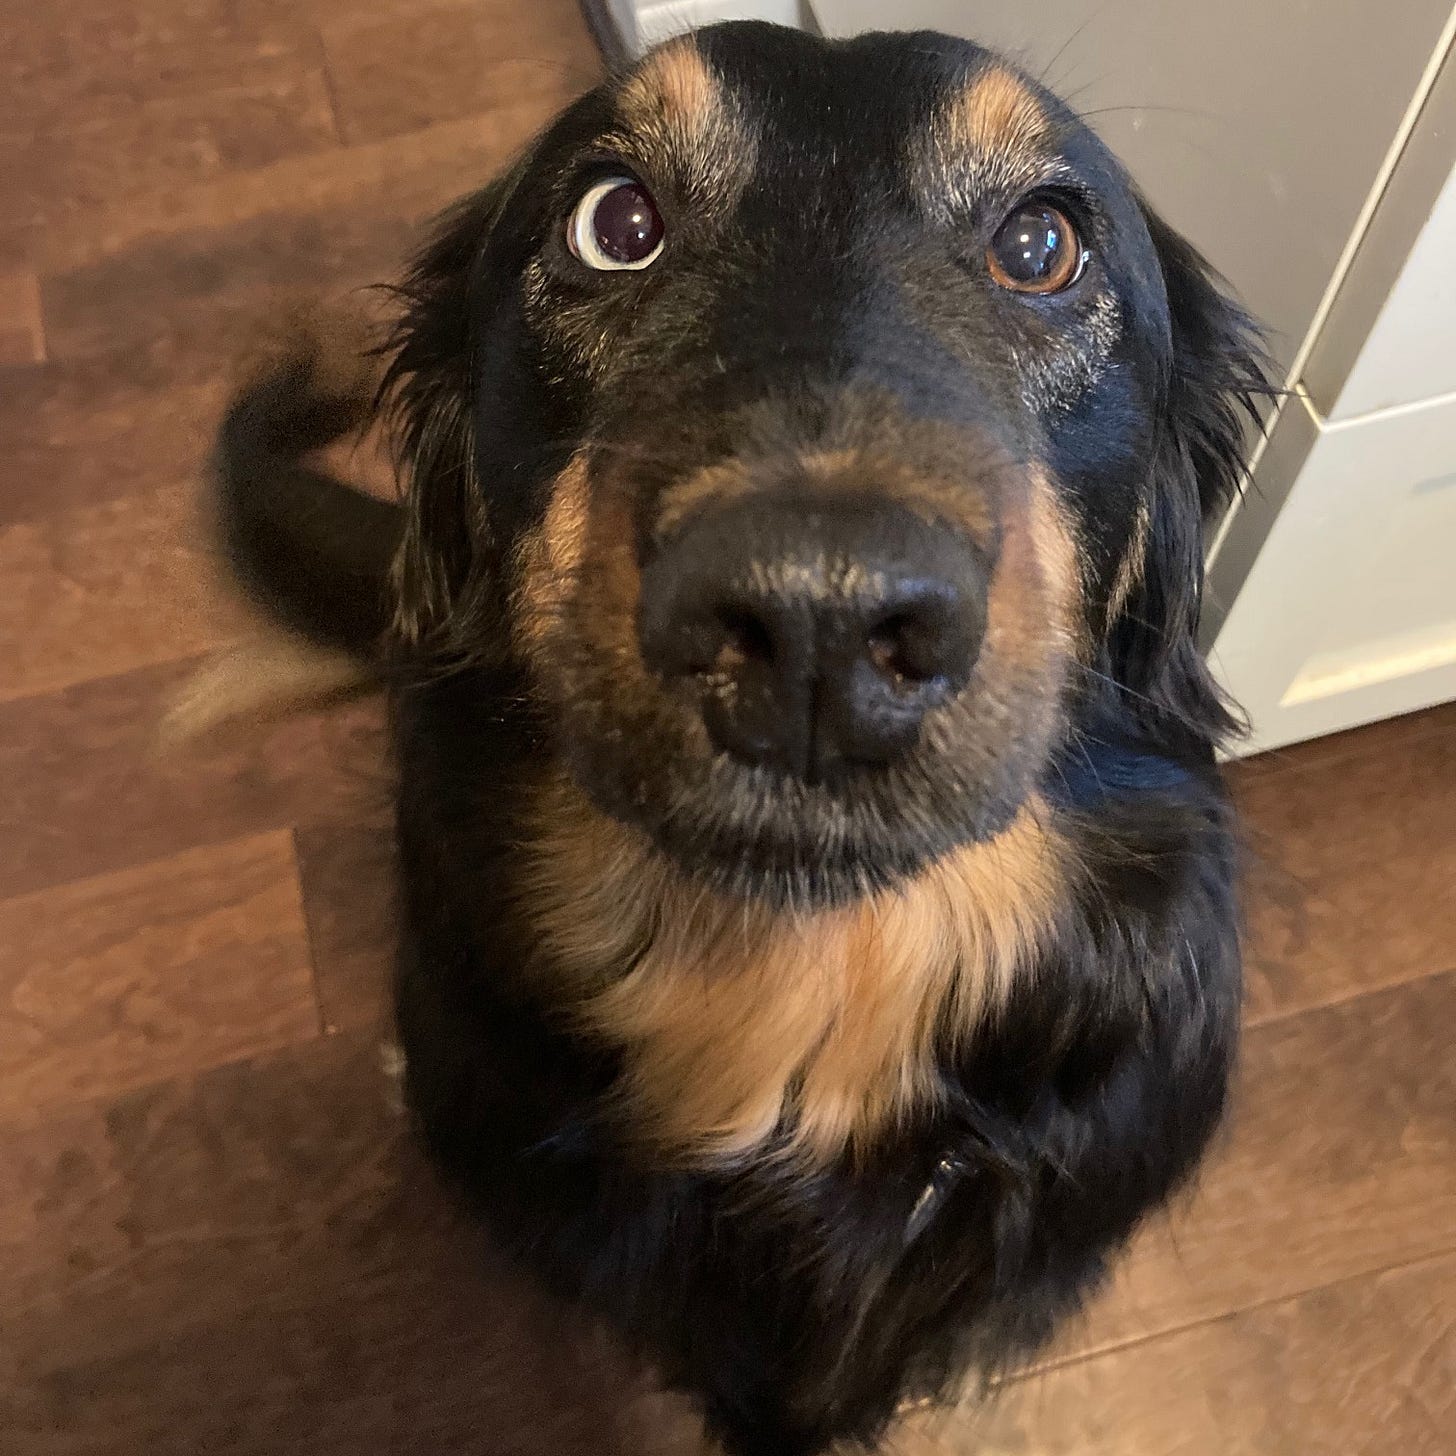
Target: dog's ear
453, 298
1208, 407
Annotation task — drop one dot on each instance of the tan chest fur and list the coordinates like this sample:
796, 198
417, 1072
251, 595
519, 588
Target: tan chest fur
733, 1014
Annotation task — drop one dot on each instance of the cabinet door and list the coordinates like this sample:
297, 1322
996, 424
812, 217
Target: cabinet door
1408, 355
1349, 611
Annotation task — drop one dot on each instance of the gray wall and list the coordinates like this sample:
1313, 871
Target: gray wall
1256, 126
624, 16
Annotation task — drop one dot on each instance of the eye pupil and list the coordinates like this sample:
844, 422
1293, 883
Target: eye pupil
616, 225
1035, 251
626, 224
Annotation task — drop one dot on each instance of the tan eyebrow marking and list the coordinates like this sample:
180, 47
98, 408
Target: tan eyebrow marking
679, 113
673, 85
998, 113
992, 135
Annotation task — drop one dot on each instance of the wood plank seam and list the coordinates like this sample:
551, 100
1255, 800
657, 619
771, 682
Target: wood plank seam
1116, 1347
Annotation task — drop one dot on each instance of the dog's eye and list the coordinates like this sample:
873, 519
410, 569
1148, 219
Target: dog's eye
616, 225
1036, 250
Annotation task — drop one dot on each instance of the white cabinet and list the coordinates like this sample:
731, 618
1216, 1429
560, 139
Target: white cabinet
658, 19
1343, 599
1349, 611
1410, 354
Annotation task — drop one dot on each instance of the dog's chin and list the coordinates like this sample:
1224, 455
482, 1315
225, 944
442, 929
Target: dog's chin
788, 874
755, 835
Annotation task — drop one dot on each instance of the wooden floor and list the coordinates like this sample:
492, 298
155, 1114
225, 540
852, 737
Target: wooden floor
213, 1235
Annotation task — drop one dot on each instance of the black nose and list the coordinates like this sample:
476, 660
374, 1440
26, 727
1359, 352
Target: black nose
817, 635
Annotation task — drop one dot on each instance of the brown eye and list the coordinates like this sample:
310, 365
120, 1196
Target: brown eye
616, 226
1036, 250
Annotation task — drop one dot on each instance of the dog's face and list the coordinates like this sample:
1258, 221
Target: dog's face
815, 425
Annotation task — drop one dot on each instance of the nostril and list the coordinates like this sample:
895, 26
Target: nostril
919, 645
897, 651
753, 699
746, 639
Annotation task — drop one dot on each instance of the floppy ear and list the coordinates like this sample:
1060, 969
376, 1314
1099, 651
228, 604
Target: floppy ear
1208, 407
454, 295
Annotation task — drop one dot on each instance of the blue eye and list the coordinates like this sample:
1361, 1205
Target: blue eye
616, 226
1036, 250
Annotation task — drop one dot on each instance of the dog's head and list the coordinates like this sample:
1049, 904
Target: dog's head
819, 428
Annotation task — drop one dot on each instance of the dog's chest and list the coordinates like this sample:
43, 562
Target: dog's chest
740, 1026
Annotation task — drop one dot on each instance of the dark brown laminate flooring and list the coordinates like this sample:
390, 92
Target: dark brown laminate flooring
213, 1234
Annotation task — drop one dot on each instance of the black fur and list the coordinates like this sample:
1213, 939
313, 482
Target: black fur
310, 551
796, 1310
801, 1309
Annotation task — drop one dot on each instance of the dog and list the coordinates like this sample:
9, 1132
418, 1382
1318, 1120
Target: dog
820, 932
